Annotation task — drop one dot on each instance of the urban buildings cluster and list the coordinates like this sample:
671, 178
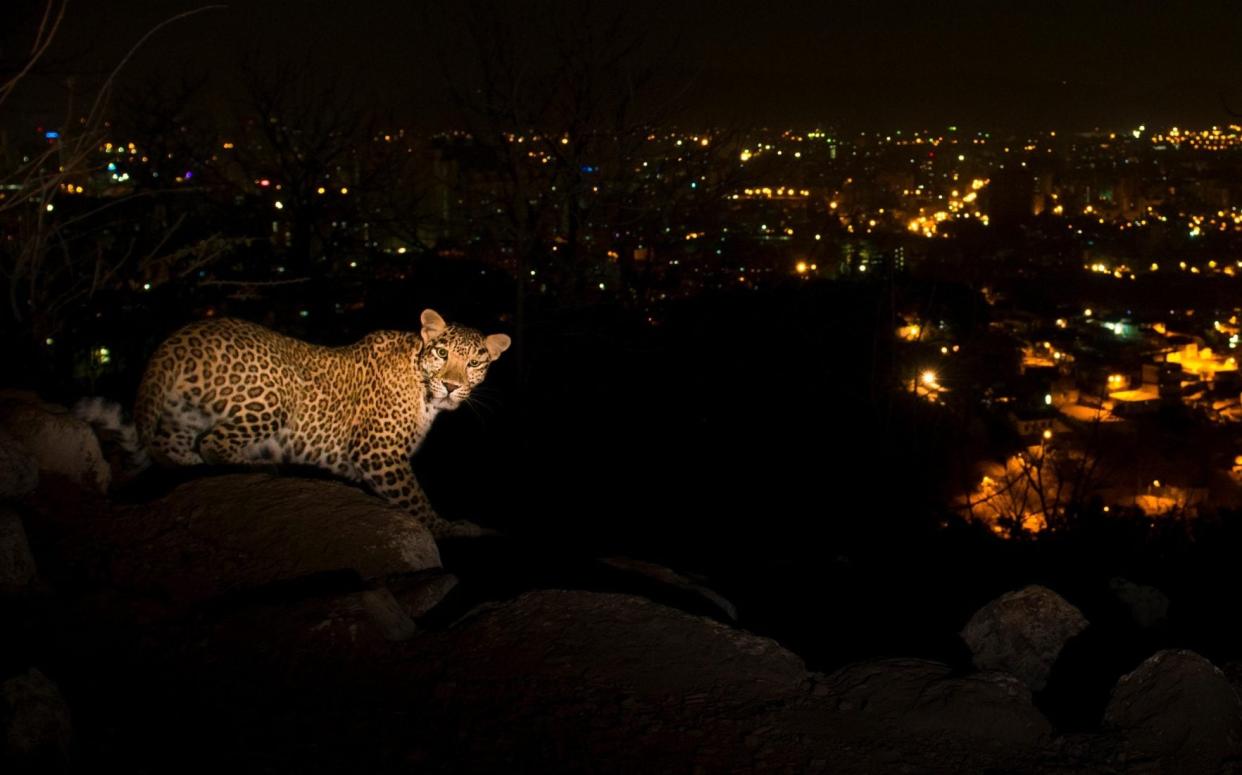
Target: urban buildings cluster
1108, 259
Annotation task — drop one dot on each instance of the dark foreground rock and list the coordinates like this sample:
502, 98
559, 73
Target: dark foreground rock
1178, 712
19, 474
17, 565
926, 700
38, 732
58, 443
228, 534
675, 581
1148, 607
1022, 633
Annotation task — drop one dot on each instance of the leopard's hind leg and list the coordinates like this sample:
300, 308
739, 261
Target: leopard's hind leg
172, 440
230, 442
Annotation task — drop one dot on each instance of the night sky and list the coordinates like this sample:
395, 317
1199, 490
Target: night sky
856, 63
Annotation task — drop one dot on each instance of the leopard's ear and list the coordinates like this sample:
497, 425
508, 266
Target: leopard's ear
496, 344
433, 324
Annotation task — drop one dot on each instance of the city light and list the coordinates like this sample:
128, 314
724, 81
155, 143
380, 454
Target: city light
911, 332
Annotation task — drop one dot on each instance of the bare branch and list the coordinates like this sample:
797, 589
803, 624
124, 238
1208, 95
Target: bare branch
43, 39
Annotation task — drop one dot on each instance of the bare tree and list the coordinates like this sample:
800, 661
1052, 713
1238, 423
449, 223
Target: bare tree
558, 101
1043, 486
61, 249
344, 176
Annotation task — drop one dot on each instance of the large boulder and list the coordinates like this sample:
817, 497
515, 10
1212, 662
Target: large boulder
917, 698
716, 604
1148, 606
227, 534
557, 681
419, 593
19, 474
38, 733
1179, 709
627, 642
59, 443
304, 637
1022, 632
17, 565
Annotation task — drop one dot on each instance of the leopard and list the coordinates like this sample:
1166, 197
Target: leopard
225, 391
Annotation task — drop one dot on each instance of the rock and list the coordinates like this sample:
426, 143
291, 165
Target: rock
387, 614
19, 474
59, 443
670, 578
17, 565
422, 592
913, 697
1148, 606
1178, 708
624, 643
226, 534
38, 733
297, 643
1022, 632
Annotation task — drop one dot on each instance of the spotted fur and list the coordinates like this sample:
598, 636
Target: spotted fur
229, 391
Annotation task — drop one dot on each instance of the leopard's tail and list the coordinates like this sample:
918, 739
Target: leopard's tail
115, 434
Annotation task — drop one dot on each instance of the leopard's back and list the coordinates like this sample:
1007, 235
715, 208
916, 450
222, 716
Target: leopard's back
231, 378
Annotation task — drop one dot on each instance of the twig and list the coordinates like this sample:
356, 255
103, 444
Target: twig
254, 283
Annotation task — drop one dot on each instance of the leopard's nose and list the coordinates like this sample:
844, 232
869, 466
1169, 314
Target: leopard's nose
451, 386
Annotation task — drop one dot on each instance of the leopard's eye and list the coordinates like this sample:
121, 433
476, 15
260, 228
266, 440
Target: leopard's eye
442, 352
476, 364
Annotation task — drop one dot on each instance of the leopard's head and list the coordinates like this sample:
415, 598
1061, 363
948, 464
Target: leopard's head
454, 359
